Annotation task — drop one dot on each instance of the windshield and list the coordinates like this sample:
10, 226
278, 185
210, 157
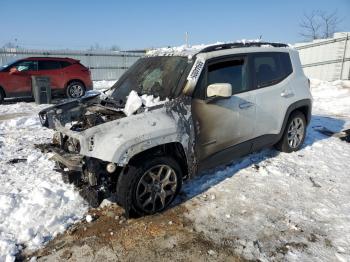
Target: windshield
7, 66
157, 76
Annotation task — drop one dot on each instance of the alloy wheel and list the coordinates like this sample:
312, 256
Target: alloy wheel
296, 132
76, 91
156, 188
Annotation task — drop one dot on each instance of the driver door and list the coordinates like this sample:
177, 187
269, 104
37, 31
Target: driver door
19, 81
224, 125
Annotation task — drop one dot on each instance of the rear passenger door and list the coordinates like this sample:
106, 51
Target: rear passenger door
224, 122
52, 69
273, 90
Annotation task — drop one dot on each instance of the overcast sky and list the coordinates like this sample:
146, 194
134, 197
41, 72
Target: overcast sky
133, 24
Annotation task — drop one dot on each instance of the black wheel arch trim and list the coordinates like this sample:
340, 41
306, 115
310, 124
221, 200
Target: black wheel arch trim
295, 106
75, 80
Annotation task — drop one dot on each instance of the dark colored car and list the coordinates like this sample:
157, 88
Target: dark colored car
67, 76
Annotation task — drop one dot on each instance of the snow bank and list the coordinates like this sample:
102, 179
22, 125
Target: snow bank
35, 204
20, 108
331, 97
103, 84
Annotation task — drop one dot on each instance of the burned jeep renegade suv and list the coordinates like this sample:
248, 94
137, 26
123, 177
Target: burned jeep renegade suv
175, 113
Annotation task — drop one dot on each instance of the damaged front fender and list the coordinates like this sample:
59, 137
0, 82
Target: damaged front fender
119, 140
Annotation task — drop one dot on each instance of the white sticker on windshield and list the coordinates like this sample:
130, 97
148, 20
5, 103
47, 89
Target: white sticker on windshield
196, 70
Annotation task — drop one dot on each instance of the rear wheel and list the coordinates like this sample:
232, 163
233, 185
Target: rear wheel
294, 133
2, 96
75, 89
149, 186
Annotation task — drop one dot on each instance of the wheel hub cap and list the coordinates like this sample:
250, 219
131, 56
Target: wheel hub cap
156, 188
295, 132
76, 91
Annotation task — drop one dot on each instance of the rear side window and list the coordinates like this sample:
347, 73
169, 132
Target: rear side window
271, 68
233, 72
64, 64
49, 65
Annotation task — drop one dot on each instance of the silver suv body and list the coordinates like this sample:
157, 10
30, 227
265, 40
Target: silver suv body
220, 103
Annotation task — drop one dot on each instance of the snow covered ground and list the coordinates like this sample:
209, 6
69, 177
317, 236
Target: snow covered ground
35, 204
278, 206
103, 84
266, 206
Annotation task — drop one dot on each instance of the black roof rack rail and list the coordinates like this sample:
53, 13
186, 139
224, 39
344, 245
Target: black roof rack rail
239, 45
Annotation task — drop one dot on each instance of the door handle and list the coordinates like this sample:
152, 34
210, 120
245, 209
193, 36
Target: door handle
287, 93
245, 105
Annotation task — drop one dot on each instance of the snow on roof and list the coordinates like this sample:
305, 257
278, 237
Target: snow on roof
184, 50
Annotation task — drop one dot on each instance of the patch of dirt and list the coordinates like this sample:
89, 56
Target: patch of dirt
110, 237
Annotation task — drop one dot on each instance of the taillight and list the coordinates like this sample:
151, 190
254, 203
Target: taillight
86, 70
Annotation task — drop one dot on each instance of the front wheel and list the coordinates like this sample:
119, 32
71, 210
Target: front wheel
294, 133
149, 186
75, 89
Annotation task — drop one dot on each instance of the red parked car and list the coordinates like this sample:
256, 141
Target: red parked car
67, 76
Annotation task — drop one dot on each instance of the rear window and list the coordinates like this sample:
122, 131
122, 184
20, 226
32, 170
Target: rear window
271, 68
49, 65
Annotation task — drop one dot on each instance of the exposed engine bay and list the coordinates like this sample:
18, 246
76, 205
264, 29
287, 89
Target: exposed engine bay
96, 114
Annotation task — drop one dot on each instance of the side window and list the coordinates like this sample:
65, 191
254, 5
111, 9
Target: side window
286, 63
23, 66
271, 68
49, 65
232, 71
64, 64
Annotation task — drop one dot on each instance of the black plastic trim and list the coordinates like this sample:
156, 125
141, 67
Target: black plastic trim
239, 45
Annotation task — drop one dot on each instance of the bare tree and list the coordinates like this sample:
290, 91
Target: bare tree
330, 23
98, 47
95, 47
114, 48
310, 26
11, 44
319, 24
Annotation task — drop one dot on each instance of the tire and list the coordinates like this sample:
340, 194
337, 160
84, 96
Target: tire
141, 187
294, 133
75, 89
2, 96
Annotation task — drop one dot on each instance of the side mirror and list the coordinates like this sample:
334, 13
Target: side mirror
13, 70
219, 90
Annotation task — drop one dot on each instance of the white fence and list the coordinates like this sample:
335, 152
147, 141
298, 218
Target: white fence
326, 59
103, 65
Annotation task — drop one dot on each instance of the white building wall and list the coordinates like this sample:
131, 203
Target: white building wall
326, 59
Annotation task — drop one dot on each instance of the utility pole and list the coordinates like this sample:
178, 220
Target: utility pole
186, 39
344, 54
